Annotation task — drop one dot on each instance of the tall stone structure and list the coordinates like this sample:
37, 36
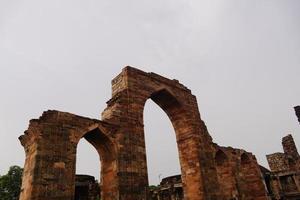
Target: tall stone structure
50, 145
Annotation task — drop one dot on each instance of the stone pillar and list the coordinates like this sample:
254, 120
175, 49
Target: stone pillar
48, 171
289, 147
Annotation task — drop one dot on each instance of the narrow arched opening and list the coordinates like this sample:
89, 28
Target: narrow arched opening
221, 158
161, 126
245, 160
88, 169
161, 147
105, 188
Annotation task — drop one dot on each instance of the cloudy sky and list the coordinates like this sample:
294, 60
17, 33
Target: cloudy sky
240, 58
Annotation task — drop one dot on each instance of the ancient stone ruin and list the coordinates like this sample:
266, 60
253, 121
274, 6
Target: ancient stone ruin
208, 171
282, 182
284, 178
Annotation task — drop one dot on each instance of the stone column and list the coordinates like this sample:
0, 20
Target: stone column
289, 146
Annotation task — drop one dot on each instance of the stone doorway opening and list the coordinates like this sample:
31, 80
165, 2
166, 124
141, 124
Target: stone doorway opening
88, 170
86, 186
159, 130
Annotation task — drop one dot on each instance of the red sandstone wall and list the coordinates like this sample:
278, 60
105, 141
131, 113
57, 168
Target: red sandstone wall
50, 145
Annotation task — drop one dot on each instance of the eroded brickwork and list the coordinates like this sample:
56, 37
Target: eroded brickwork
239, 176
284, 178
50, 145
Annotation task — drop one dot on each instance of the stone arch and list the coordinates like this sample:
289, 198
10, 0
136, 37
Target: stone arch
131, 89
161, 135
171, 106
50, 144
221, 158
106, 149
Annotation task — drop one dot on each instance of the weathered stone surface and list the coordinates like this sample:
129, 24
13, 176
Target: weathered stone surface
208, 172
50, 145
239, 176
284, 178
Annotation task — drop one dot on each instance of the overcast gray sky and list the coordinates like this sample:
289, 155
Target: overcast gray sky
240, 58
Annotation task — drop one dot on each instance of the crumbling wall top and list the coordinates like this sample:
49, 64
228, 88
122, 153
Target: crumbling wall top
124, 77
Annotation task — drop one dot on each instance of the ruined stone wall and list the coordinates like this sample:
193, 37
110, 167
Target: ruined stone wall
225, 171
50, 145
170, 188
289, 160
285, 173
239, 174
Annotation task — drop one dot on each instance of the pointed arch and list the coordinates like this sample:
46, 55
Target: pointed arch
245, 159
107, 154
221, 158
